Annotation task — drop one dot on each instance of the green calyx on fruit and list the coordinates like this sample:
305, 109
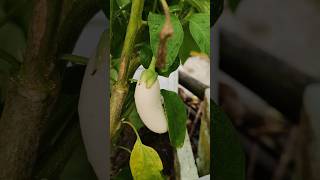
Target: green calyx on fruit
149, 76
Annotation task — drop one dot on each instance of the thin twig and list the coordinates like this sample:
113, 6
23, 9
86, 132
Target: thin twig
197, 118
125, 149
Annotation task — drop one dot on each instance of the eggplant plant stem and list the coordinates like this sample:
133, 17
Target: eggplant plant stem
32, 92
120, 89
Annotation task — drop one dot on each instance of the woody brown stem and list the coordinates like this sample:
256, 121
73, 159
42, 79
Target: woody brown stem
53, 30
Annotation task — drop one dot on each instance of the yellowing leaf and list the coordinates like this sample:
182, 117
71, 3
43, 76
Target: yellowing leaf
145, 163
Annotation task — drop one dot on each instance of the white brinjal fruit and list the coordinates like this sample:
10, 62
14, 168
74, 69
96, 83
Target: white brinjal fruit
148, 101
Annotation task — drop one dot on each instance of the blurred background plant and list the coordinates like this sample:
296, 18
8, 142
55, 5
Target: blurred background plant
40, 136
269, 74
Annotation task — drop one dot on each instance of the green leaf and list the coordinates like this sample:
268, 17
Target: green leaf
134, 118
202, 6
188, 45
176, 117
113, 74
145, 55
118, 29
127, 106
115, 63
173, 67
155, 22
145, 163
175, 8
200, 31
227, 160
